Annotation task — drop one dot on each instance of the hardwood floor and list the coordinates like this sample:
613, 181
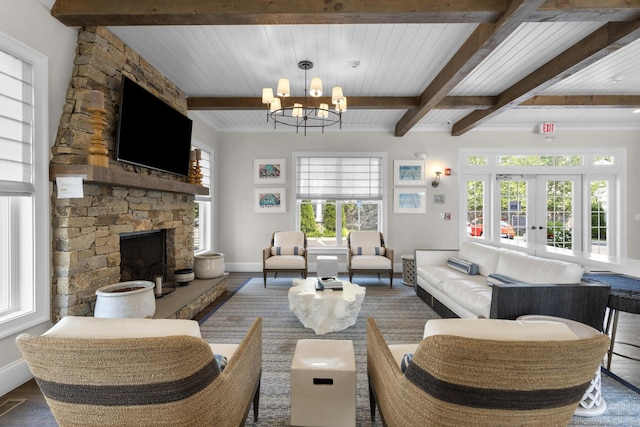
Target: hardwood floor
34, 411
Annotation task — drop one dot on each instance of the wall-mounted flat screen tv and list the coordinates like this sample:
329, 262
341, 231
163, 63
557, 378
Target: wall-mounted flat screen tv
151, 133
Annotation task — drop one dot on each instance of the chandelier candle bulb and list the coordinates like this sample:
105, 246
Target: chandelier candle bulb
192, 155
275, 105
297, 110
337, 95
315, 89
267, 95
323, 111
283, 87
198, 154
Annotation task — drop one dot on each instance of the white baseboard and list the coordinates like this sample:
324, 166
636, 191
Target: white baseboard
13, 376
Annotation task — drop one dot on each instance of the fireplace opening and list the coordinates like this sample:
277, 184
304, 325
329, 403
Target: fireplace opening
143, 255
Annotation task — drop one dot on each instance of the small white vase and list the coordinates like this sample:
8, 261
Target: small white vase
208, 265
126, 299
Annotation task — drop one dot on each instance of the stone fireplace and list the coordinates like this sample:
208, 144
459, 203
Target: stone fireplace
120, 200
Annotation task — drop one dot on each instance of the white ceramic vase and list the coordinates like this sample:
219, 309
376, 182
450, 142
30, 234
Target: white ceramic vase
208, 265
126, 299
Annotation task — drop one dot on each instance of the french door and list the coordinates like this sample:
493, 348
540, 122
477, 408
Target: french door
538, 210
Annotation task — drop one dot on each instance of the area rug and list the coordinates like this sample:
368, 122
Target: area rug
399, 313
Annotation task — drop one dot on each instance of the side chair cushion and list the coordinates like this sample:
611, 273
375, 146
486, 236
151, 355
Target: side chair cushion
500, 329
285, 262
370, 262
95, 327
365, 239
288, 239
287, 250
367, 250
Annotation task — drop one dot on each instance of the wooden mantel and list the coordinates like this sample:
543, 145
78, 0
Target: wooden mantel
121, 178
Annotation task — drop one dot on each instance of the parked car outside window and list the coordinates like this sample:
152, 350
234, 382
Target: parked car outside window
476, 228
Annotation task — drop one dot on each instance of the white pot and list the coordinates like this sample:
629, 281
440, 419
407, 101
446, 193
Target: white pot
126, 299
208, 265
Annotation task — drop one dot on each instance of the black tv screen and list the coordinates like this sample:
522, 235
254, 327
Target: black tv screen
151, 133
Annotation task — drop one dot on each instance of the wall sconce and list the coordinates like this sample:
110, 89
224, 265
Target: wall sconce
436, 180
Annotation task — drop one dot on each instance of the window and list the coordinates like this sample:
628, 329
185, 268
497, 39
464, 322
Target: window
338, 194
529, 199
202, 230
24, 210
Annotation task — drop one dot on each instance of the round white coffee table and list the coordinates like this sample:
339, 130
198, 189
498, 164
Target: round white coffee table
328, 310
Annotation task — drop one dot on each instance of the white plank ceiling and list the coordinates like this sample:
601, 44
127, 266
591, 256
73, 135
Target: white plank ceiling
394, 60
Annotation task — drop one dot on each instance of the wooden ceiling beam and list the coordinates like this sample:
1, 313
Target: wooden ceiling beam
597, 45
475, 49
281, 12
255, 103
210, 103
582, 101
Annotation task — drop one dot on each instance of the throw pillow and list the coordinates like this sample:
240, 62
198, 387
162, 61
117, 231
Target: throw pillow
287, 250
221, 361
359, 250
463, 266
406, 360
499, 279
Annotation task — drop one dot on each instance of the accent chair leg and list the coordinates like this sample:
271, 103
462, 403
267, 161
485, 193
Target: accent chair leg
391, 279
372, 401
264, 273
256, 403
351, 276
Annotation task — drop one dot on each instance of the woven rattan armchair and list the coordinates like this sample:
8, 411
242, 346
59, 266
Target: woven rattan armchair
160, 374
455, 381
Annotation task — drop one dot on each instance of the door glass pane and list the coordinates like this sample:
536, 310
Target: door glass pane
475, 208
513, 210
560, 214
599, 225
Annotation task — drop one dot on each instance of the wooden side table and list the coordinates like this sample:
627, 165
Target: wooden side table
408, 270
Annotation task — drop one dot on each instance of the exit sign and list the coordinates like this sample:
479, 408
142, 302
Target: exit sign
547, 128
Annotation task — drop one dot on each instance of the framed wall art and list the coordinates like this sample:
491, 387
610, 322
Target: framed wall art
409, 201
269, 171
269, 200
408, 172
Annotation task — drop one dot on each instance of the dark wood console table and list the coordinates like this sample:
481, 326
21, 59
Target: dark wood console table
624, 296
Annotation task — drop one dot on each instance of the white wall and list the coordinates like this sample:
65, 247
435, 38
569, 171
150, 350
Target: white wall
30, 23
242, 233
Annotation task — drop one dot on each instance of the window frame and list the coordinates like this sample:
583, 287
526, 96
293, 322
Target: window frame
31, 287
295, 203
205, 203
490, 171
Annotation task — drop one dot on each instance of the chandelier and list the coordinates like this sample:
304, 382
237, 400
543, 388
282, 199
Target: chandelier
304, 115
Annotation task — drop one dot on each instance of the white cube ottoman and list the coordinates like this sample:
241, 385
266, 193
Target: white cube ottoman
323, 383
327, 265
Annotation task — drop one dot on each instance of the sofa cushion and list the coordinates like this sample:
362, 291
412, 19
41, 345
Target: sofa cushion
436, 275
485, 257
463, 266
470, 292
287, 250
533, 269
367, 250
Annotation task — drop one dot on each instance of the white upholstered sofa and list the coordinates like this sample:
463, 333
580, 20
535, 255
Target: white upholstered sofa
481, 281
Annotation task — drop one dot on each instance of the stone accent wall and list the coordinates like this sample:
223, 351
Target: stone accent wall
86, 231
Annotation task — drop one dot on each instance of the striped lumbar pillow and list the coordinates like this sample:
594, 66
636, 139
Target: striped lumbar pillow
463, 266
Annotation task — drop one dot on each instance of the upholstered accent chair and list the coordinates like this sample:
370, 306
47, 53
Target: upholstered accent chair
482, 372
144, 372
368, 254
287, 253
